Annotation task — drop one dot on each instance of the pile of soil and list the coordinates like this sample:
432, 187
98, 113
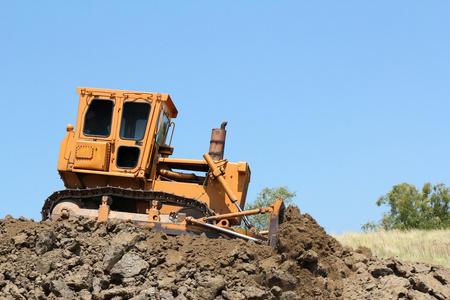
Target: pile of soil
82, 259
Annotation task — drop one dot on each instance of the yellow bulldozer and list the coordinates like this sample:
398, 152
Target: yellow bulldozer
116, 164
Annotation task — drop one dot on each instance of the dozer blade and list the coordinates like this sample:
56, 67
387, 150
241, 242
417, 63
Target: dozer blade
275, 219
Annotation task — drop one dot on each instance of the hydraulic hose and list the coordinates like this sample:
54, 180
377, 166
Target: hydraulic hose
176, 175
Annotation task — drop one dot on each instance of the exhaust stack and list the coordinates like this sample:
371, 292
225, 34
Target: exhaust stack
217, 144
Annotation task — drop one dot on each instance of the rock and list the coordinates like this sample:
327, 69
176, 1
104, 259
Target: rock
276, 291
141, 246
166, 282
309, 256
85, 224
100, 283
122, 292
129, 281
129, 265
173, 258
43, 265
20, 239
266, 264
248, 268
359, 267
416, 295
355, 261
242, 253
396, 287
84, 295
441, 275
182, 290
60, 289
378, 270
209, 287
422, 268
166, 295
12, 290
429, 284
289, 295
122, 242
82, 279
233, 295
360, 258
252, 292
405, 269
364, 251
149, 293
277, 277
74, 246
45, 242
113, 254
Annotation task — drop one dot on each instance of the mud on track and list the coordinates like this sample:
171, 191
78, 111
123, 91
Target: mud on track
82, 259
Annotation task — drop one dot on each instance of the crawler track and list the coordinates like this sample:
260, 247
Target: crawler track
89, 193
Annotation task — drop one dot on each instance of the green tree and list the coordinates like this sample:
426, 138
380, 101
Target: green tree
411, 209
266, 197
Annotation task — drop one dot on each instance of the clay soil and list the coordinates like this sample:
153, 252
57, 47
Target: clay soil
82, 259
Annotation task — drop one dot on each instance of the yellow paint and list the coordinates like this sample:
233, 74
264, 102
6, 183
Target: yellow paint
91, 155
87, 161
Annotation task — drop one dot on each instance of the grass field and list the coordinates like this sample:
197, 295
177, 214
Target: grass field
431, 246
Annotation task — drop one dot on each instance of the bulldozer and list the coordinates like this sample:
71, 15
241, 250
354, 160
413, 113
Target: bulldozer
116, 164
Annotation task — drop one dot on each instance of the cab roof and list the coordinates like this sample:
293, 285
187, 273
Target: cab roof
132, 94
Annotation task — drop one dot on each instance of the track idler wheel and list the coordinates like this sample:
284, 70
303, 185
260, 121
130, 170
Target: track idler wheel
65, 210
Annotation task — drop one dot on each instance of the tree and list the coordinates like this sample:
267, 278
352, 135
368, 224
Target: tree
266, 197
411, 209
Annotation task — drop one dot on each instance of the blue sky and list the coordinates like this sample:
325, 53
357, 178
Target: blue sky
338, 100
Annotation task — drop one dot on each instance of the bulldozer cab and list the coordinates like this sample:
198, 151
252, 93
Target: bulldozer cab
118, 132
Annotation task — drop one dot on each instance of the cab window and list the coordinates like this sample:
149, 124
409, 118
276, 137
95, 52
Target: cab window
97, 121
134, 120
162, 134
127, 157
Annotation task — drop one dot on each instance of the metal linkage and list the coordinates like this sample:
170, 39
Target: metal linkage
223, 230
218, 174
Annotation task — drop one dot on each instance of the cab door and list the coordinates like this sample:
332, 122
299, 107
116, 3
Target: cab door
92, 147
132, 135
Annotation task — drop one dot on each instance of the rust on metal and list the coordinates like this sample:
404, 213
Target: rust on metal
217, 143
154, 212
275, 219
103, 210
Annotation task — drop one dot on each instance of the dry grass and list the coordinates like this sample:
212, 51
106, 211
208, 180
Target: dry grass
428, 246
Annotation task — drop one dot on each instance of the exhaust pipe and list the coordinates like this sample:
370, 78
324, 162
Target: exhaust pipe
217, 144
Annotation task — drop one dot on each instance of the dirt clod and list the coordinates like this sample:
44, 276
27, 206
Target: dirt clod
82, 259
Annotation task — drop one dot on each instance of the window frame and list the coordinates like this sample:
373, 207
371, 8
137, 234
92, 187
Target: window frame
121, 120
111, 119
137, 161
160, 127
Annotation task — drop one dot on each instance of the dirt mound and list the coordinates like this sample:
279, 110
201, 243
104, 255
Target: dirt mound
82, 259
